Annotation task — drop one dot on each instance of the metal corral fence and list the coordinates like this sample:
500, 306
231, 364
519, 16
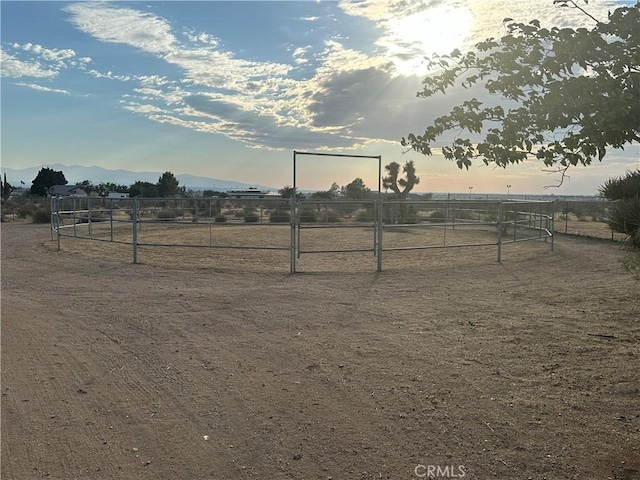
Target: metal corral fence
585, 218
300, 227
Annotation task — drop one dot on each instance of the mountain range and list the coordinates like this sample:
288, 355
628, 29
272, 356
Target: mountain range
96, 175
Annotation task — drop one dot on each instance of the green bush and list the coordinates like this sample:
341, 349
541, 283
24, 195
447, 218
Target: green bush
330, 216
307, 215
632, 264
205, 212
251, 216
364, 215
25, 211
280, 215
41, 215
438, 216
166, 214
411, 217
463, 214
624, 217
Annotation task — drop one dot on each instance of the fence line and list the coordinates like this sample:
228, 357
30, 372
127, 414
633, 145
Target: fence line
394, 225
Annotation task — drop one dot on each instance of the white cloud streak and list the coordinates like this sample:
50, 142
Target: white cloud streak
40, 88
350, 98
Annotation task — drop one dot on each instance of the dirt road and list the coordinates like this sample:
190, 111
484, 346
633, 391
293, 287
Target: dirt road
526, 369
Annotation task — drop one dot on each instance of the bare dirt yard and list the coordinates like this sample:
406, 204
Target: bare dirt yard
201, 364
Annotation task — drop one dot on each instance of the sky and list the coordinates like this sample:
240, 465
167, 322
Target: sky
229, 89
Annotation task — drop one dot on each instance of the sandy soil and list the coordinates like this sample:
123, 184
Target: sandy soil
184, 367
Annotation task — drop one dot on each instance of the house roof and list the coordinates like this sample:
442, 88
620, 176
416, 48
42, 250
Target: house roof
66, 190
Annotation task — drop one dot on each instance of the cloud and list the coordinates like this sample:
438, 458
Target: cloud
351, 98
43, 89
122, 25
48, 54
15, 68
298, 55
109, 74
348, 98
416, 29
38, 61
204, 65
203, 38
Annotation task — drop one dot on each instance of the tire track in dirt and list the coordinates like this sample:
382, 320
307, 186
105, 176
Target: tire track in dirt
314, 375
67, 341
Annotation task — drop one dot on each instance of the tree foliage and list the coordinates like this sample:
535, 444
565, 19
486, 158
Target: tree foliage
45, 179
624, 217
143, 189
331, 194
400, 186
288, 192
102, 189
621, 188
356, 190
571, 94
168, 185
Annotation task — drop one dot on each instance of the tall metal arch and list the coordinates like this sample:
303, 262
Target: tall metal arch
294, 204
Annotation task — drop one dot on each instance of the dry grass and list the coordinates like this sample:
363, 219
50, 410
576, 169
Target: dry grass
175, 246
585, 226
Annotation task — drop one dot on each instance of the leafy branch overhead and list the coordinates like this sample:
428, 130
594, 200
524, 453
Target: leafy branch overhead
569, 95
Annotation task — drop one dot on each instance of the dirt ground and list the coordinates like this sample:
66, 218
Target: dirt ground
447, 362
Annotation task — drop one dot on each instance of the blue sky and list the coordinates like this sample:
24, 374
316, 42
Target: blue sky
230, 89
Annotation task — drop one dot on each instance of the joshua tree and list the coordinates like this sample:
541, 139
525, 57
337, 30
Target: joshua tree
401, 186
6, 189
394, 183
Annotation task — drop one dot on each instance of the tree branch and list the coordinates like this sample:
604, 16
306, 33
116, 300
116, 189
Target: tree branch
560, 170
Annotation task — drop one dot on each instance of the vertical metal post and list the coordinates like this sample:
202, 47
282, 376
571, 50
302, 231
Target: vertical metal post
566, 215
380, 230
294, 219
134, 233
444, 221
111, 219
75, 222
211, 219
515, 223
58, 220
453, 215
375, 229
380, 216
89, 216
540, 223
298, 232
499, 232
552, 229
51, 216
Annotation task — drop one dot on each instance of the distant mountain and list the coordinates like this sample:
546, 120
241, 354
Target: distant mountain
77, 173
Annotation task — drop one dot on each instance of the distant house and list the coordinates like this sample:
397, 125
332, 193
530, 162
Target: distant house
117, 195
67, 191
251, 193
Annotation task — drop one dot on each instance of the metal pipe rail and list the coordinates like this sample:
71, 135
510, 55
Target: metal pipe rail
464, 223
